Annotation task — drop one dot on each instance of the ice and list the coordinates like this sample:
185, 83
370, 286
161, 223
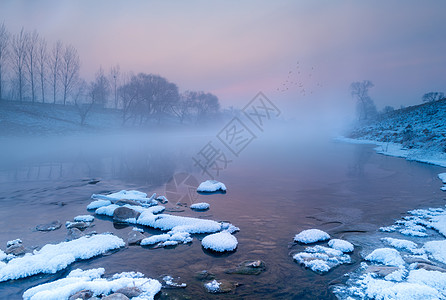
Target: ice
98, 203
401, 244
321, 259
200, 206
311, 236
341, 245
84, 218
386, 256
55, 257
212, 286
220, 242
442, 177
210, 186
92, 280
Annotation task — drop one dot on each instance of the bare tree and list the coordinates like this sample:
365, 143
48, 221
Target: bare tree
30, 61
69, 70
365, 105
100, 88
128, 93
54, 63
42, 61
114, 79
432, 96
84, 99
19, 42
4, 43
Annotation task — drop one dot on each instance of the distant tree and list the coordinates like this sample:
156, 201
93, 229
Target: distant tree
69, 70
19, 51
4, 46
100, 88
31, 61
432, 96
83, 100
365, 106
128, 94
42, 61
114, 79
388, 109
202, 105
183, 108
54, 64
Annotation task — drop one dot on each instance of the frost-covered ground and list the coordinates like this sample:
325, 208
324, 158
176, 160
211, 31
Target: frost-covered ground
415, 133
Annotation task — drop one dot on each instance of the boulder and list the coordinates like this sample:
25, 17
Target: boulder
49, 227
122, 214
84, 294
135, 237
248, 267
116, 296
130, 292
73, 233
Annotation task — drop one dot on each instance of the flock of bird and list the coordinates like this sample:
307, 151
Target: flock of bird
296, 80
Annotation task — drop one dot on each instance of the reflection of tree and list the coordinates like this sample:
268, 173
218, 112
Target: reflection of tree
361, 157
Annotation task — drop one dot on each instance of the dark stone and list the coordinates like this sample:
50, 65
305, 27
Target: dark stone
16, 249
74, 233
248, 267
49, 227
130, 292
429, 267
135, 237
121, 214
93, 181
78, 225
123, 202
381, 270
225, 287
204, 275
84, 294
116, 296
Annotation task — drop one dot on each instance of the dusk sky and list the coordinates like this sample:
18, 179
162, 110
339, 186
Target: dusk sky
237, 48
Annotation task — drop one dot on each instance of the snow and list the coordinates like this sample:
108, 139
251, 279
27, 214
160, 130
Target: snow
84, 218
386, 256
98, 203
177, 223
92, 280
106, 210
311, 236
321, 259
55, 257
200, 206
212, 286
167, 239
442, 177
210, 186
341, 245
220, 242
13, 242
123, 194
436, 249
401, 244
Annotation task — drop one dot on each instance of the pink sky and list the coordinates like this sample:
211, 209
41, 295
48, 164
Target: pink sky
237, 48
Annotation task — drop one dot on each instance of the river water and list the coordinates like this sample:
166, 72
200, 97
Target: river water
277, 186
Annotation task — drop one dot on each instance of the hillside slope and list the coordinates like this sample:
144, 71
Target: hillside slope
421, 127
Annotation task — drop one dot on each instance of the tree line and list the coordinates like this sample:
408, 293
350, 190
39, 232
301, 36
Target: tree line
31, 70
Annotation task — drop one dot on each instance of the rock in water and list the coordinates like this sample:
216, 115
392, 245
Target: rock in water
135, 237
311, 236
116, 296
78, 225
248, 267
122, 214
73, 233
220, 242
84, 294
220, 286
130, 292
49, 227
15, 247
210, 186
204, 275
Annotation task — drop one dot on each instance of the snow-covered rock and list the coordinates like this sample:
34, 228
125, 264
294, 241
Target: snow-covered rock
401, 244
210, 186
136, 196
386, 256
220, 242
55, 257
321, 259
98, 203
311, 236
200, 206
84, 218
92, 280
341, 245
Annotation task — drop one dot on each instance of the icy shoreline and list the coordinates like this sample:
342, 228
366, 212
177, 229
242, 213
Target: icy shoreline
398, 150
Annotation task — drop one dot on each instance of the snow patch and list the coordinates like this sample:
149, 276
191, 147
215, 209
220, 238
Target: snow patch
220, 242
311, 236
210, 186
